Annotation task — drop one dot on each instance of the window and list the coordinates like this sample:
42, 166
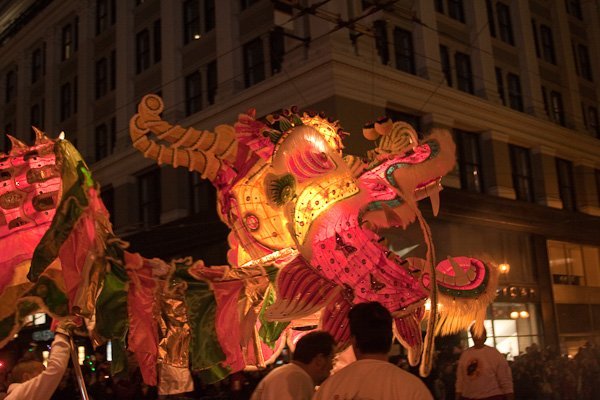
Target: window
37, 65
469, 161
67, 42
37, 115
536, 41
191, 21
75, 94
101, 78
209, 15
574, 8
464, 77
101, 16
254, 70
5, 143
456, 10
546, 102
8, 130
515, 97
412, 119
276, 48
211, 82
500, 85
142, 51
403, 47
504, 23
573, 264
583, 58
113, 70
76, 34
490, 18
112, 134
557, 113
247, 3
105, 137
149, 198
439, 6
193, 93
566, 184
592, 119
65, 101
107, 194
446, 67
597, 181
203, 196
521, 173
105, 14
511, 334
101, 142
156, 41
10, 90
547, 44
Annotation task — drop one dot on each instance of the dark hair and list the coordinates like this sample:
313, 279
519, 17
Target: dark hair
371, 326
312, 344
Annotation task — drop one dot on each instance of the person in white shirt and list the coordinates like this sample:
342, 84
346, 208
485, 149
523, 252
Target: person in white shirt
483, 373
311, 364
372, 376
30, 380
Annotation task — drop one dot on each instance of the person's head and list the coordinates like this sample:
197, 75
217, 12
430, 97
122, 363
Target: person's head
478, 339
99, 354
26, 370
315, 352
371, 329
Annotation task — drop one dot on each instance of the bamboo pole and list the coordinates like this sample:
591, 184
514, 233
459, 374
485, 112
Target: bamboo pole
77, 368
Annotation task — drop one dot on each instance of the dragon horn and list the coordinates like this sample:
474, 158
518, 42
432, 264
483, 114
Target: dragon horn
207, 162
16, 144
149, 111
40, 137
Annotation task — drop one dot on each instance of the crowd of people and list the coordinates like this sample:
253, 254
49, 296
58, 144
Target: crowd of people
537, 374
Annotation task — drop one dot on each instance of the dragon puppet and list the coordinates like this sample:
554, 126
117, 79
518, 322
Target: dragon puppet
303, 244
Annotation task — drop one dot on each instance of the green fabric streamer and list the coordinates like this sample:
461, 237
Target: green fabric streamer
51, 295
112, 318
270, 331
206, 354
119, 364
70, 209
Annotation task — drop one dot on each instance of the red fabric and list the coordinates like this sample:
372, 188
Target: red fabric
227, 322
143, 329
82, 243
74, 252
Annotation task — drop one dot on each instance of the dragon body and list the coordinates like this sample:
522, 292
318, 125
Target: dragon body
304, 244
294, 202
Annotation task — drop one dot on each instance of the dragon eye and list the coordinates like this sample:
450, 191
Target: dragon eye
282, 190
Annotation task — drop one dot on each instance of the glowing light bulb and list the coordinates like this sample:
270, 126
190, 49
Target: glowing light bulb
514, 314
504, 268
524, 314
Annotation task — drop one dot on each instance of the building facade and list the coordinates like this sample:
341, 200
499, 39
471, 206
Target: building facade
513, 80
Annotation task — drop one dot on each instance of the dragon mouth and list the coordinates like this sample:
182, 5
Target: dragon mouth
432, 191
